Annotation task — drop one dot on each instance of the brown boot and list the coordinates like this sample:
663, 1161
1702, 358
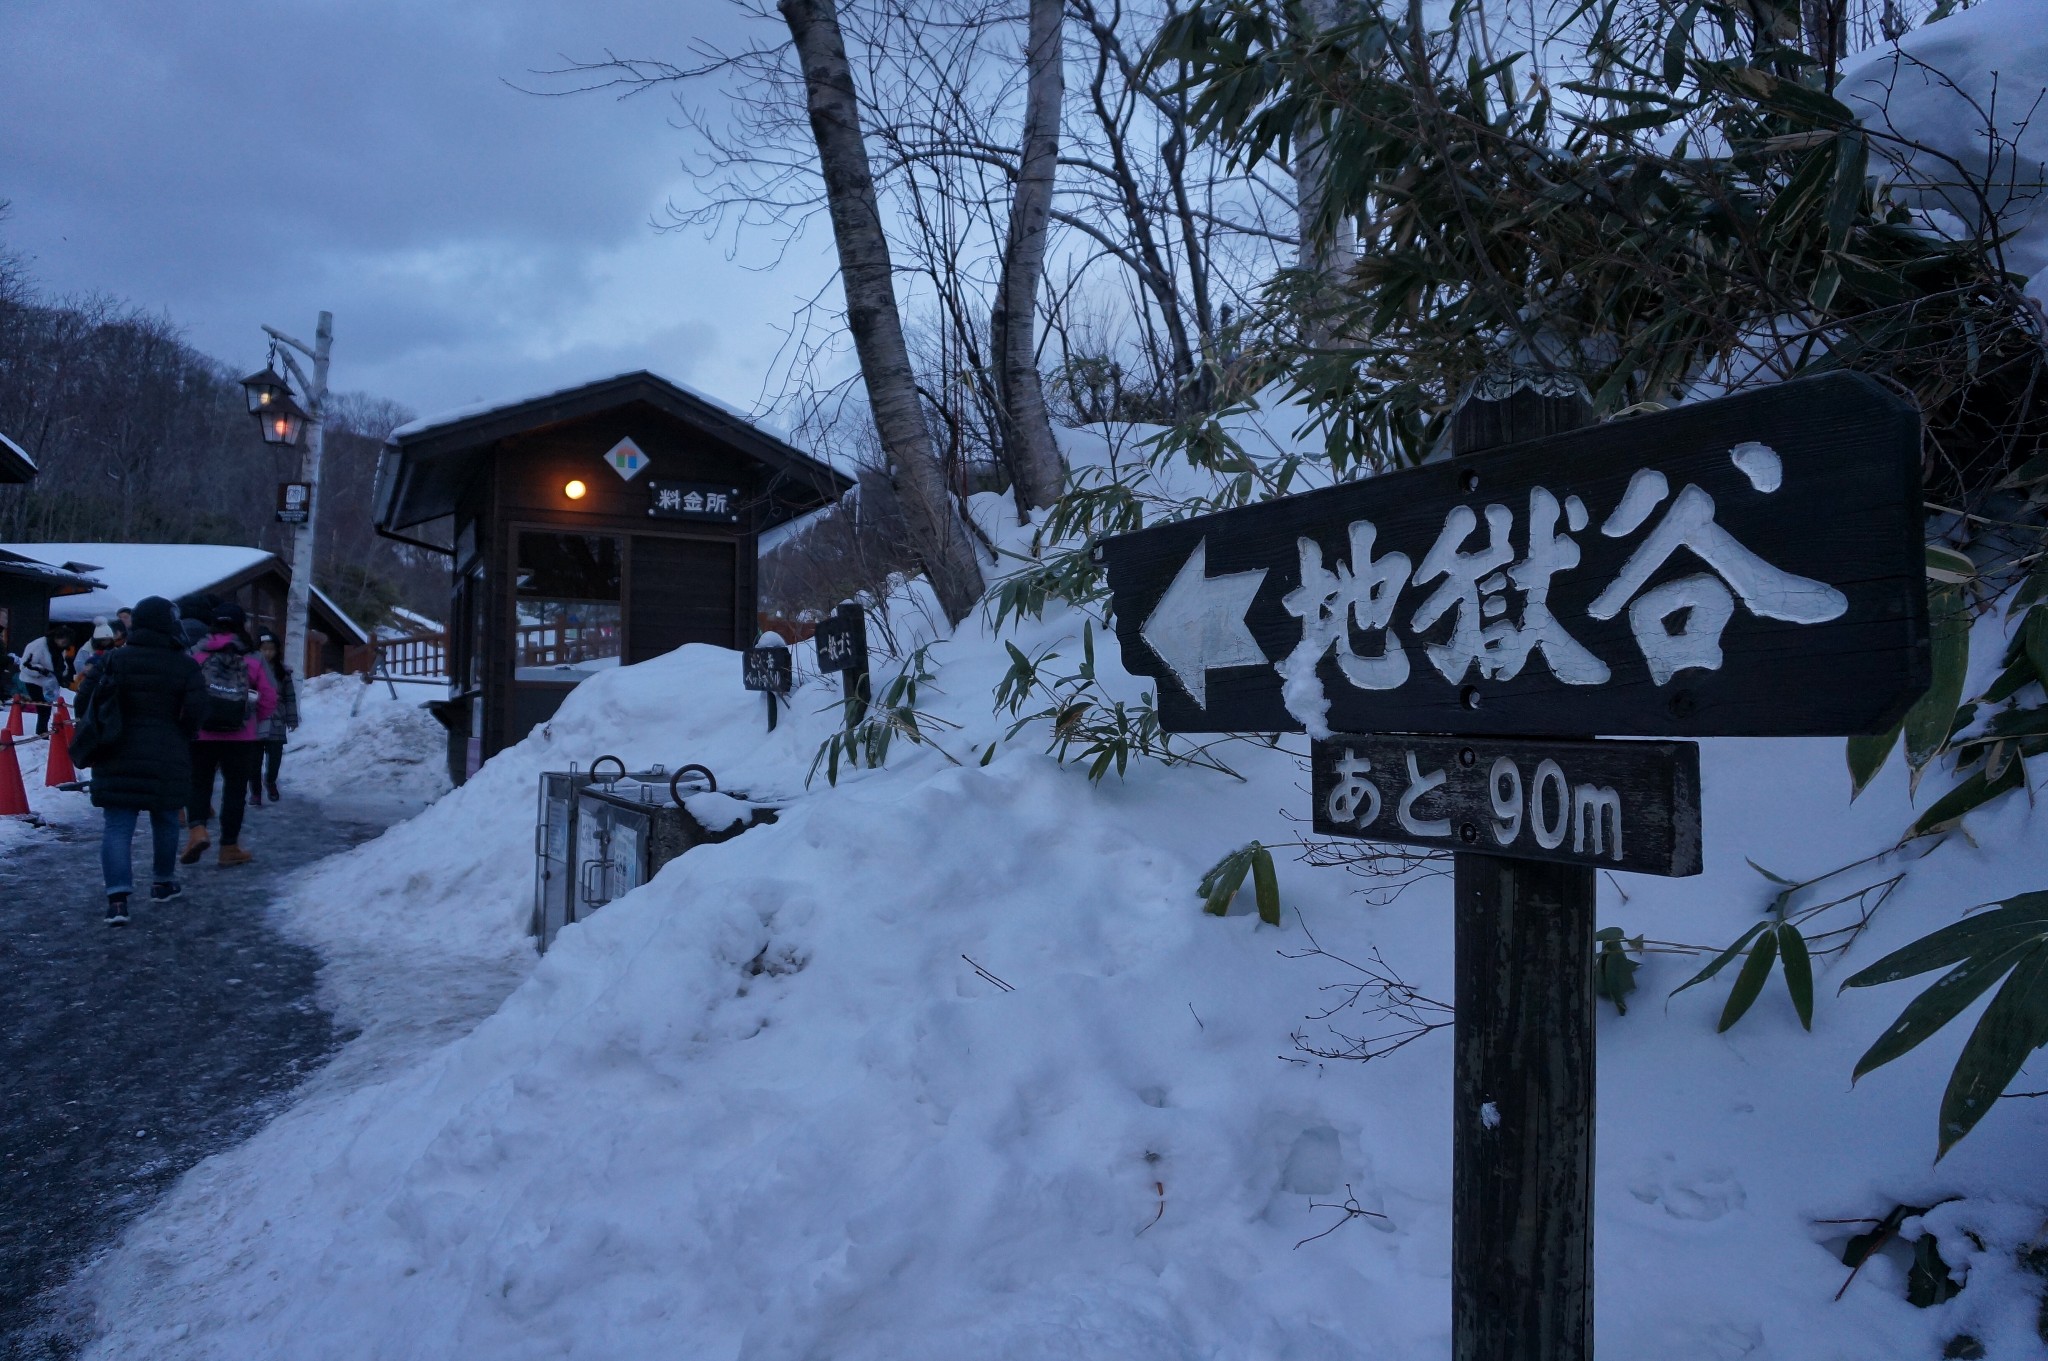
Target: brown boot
234, 855
195, 845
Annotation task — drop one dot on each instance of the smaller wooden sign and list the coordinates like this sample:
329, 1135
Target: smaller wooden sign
767, 668
843, 641
693, 501
294, 502
1615, 805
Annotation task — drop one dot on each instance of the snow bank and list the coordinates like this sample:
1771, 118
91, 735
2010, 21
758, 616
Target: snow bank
1940, 87
360, 742
769, 1106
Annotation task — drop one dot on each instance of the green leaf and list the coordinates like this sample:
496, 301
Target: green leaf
1966, 797
2009, 922
2012, 1027
1939, 1004
1774, 878
1223, 880
1614, 973
1798, 971
1927, 723
2034, 637
1749, 984
1675, 44
1946, 567
1867, 756
1265, 886
1721, 960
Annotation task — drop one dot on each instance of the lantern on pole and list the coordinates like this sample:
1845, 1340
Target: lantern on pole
270, 402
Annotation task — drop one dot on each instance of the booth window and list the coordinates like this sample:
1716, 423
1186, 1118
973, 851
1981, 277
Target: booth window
568, 603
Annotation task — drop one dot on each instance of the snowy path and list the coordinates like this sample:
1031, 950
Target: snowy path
128, 1056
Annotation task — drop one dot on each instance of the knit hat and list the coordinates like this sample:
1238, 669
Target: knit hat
102, 631
229, 617
155, 612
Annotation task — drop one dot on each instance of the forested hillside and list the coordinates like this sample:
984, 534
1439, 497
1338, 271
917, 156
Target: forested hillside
139, 437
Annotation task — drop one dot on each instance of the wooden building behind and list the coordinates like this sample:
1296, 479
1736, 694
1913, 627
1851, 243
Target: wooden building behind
590, 527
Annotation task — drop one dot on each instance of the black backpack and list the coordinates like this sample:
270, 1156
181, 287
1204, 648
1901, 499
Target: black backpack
99, 726
229, 699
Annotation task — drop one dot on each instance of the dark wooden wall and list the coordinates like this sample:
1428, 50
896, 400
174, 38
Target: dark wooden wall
683, 581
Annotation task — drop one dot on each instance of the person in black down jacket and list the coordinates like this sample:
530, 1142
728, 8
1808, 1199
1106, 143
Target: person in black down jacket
150, 767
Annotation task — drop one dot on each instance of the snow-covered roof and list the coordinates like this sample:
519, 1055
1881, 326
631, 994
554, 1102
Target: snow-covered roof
420, 622
456, 415
362, 635
55, 578
132, 571
15, 464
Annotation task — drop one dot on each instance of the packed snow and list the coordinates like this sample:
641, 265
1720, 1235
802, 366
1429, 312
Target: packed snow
948, 1061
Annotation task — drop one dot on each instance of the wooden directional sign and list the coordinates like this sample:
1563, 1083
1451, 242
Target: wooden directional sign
1614, 805
767, 668
1745, 566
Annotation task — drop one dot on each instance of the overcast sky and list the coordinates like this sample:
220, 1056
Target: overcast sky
233, 164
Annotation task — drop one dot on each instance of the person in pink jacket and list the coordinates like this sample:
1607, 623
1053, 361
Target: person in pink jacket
239, 701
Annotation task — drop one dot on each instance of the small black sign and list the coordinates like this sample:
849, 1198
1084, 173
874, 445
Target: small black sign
767, 668
1616, 805
294, 502
843, 641
1749, 566
693, 501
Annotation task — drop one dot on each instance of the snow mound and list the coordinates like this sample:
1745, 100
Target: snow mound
948, 1061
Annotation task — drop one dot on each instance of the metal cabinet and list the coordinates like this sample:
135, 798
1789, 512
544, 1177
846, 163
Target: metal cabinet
599, 837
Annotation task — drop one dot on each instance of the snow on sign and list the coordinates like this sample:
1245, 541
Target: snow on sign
1745, 566
626, 459
693, 501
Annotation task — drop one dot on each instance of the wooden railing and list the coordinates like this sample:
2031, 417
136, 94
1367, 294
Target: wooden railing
566, 644
419, 654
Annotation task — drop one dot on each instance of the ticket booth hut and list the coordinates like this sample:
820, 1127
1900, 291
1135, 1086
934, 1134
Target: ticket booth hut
594, 526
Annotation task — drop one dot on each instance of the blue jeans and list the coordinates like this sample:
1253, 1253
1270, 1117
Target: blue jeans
117, 847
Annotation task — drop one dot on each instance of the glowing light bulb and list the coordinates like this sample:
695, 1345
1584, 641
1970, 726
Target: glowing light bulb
574, 489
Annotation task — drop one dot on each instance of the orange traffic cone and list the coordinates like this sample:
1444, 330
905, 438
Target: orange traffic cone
57, 767
14, 712
13, 793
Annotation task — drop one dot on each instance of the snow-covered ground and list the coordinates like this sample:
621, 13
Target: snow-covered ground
765, 1106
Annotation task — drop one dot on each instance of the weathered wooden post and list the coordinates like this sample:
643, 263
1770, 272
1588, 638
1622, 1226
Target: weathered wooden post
1523, 1075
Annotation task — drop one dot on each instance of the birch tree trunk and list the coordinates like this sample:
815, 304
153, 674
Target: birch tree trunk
869, 279
1033, 456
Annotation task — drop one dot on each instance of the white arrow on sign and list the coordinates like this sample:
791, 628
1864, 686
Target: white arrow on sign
1199, 625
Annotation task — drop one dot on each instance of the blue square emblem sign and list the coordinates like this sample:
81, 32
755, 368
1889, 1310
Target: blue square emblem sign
626, 459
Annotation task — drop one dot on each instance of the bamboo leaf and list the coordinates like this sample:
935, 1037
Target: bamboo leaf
1798, 971
1265, 885
2034, 636
1867, 756
1939, 1004
1675, 44
1947, 567
1966, 797
2009, 922
1927, 723
2012, 1027
1774, 878
1721, 960
1749, 984
1223, 880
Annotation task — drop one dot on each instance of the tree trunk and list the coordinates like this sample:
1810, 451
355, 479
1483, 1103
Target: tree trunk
1033, 455
869, 278
1330, 252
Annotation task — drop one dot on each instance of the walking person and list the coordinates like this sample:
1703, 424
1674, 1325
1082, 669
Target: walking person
94, 653
285, 720
239, 698
149, 766
44, 671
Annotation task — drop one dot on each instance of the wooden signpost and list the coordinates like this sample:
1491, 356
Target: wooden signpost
766, 667
1451, 636
843, 646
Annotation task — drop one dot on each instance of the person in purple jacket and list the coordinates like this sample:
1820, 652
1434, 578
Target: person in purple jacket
239, 702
